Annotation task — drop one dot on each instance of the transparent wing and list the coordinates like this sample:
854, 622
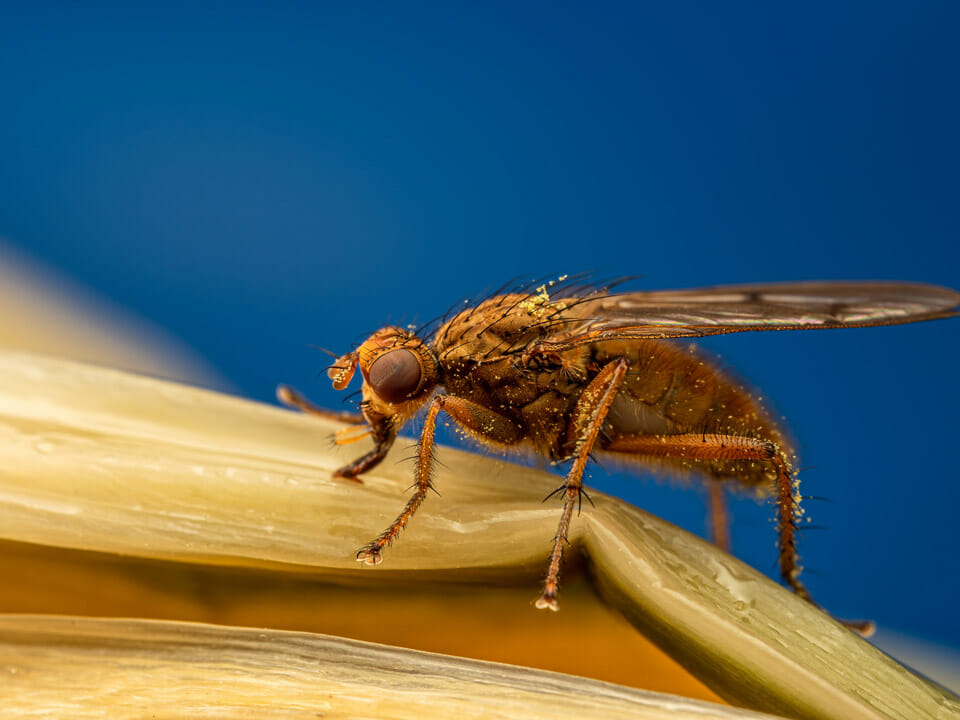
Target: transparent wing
739, 308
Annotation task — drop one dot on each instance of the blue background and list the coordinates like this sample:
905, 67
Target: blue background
259, 179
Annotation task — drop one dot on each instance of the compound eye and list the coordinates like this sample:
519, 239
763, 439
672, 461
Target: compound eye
395, 375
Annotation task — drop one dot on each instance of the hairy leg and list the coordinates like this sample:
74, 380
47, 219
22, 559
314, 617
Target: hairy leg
717, 446
588, 417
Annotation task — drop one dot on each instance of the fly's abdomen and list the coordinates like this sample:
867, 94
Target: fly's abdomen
671, 390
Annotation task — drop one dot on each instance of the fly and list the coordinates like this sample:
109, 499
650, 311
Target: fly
567, 370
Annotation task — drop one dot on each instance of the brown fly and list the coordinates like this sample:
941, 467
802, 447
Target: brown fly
570, 371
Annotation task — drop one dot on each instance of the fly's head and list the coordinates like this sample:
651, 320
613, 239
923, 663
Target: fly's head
399, 374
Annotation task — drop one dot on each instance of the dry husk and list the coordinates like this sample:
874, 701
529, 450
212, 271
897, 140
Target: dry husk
168, 490
97, 668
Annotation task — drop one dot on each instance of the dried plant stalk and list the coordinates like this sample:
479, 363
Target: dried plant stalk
82, 668
753, 642
101, 460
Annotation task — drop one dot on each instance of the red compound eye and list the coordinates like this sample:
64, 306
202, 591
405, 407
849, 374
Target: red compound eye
395, 375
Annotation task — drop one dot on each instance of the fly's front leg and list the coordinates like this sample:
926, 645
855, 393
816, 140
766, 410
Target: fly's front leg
717, 446
477, 419
379, 426
291, 398
366, 461
588, 417
382, 428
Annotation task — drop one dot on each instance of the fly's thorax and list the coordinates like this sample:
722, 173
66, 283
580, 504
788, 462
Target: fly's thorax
501, 326
399, 372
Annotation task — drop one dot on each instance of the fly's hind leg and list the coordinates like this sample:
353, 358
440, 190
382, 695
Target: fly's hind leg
584, 428
716, 446
719, 516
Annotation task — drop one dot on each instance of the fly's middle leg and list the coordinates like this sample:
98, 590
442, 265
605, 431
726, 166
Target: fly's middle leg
588, 417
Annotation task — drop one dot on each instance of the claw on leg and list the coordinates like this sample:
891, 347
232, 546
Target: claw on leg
548, 601
345, 476
370, 556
